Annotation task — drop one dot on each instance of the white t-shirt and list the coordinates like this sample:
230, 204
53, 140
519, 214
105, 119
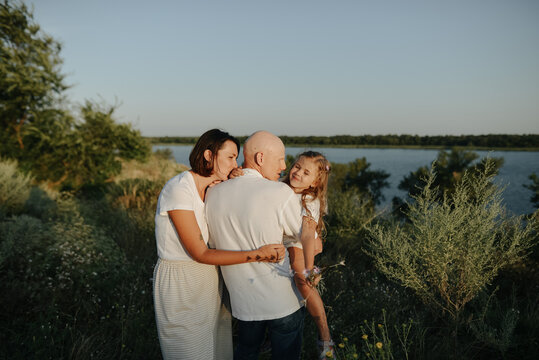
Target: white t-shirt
243, 214
314, 207
179, 193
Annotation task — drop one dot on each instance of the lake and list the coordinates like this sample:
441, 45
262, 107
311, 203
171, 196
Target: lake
518, 165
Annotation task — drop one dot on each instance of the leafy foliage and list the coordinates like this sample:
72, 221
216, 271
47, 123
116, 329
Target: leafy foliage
450, 168
92, 151
69, 286
14, 187
357, 175
534, 187
30, 78
35, 128
453, 248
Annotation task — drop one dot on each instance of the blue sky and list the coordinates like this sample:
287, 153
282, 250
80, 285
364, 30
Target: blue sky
304, 67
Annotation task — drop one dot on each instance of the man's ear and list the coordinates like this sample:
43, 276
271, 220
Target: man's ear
259, 158
208, 155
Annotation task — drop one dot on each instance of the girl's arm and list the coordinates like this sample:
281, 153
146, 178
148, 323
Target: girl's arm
308, 241
187, 228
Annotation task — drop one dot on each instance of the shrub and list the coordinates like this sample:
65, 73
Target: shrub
451, 249
349, 212
157, 168
534, 187
14, 187
135, 193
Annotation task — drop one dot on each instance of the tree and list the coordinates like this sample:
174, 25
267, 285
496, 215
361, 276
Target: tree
357, 175
35, 127
94, 147
450, 168
30, 77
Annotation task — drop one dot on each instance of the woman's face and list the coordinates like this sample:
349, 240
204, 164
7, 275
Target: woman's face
225, 160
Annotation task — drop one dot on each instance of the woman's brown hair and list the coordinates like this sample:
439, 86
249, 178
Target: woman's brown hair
212, 140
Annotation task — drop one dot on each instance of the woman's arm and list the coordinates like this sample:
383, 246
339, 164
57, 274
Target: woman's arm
308, 241
187, 228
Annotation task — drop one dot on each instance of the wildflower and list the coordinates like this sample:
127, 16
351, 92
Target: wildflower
355, 356
341, 345
379, 345
329, 354
364, 337
312, 275
380, 326
345, 339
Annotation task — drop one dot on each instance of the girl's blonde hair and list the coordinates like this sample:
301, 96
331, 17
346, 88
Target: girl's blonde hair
320, 190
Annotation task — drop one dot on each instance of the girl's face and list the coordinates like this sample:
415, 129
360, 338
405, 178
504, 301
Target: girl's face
303, 174
225, 160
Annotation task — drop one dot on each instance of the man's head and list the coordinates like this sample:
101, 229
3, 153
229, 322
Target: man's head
264, 152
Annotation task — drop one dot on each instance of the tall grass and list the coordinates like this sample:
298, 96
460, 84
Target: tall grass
14, 187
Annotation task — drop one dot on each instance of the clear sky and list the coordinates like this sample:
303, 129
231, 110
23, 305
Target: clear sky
304, 67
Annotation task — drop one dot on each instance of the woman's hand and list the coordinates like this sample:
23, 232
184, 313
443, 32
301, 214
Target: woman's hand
214, 182
236, 172
271, 253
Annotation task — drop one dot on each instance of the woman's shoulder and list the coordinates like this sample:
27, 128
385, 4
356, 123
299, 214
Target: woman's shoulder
181, 180
183, 177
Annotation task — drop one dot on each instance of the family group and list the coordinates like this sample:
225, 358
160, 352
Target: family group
240, 241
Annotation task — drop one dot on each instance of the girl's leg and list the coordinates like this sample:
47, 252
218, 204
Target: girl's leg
314, 304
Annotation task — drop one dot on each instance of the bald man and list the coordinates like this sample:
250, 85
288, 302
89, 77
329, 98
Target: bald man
245, 213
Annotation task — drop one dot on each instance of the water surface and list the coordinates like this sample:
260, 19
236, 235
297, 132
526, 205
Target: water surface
517, 167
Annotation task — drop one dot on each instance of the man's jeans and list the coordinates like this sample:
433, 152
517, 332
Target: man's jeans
285, 333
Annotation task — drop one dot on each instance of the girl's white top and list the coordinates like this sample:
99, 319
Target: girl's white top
179, 193
314, 207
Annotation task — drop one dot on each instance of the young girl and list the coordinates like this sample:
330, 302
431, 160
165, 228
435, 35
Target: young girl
308, 177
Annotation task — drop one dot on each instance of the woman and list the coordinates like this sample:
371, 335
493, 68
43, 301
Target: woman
192, 322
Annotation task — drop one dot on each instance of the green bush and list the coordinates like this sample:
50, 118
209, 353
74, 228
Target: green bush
534, 187
452, 249
14, 187
68, 288
135, 193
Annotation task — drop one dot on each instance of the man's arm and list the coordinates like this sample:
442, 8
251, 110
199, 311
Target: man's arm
291, 216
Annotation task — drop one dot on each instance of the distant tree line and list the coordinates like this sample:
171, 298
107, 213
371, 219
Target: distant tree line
481, 141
